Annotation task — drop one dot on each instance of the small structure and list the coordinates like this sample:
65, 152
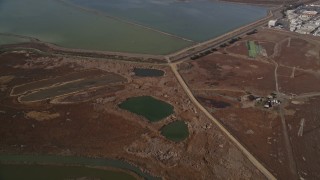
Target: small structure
308, 14
272, 23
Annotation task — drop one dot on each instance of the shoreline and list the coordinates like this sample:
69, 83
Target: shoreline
143, 56
110, 169
116, 165
250, 4
220, 39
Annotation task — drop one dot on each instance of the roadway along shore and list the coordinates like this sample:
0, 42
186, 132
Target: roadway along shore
208, 45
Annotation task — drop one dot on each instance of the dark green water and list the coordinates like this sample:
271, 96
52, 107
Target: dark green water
148, 107
67, 161
46, 172
176, 131
142, 72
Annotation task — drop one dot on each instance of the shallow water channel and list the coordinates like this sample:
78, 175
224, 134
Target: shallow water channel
62, 167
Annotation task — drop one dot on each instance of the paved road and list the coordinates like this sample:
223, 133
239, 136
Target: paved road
254, 161
208, 45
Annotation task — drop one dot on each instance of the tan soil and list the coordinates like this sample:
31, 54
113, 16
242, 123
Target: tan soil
5, 79
41, 116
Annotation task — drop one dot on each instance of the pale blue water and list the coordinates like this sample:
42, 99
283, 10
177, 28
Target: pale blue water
68, 26
55, 22
198, 20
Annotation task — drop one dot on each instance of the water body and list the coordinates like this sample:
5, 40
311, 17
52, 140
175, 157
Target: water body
22, 171
148, 107
55, 22
197, 20
11, 40
176, 131
66, 162
142, 72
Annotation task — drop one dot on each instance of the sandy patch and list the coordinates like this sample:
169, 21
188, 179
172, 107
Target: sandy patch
5, 79
41, 116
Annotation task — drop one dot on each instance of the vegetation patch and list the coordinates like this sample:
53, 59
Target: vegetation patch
253, 49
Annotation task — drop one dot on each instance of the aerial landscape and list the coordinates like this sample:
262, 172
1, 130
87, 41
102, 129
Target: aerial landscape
159, 89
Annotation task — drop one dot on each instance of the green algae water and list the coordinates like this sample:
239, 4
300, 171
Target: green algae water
70, 167
64, 25
148, 107
176, 131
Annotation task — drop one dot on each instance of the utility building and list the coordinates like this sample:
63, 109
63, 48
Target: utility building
272, 23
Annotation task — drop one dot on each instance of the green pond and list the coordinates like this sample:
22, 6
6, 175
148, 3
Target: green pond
65, 167
55, 22
17, 172
148, 107
176, 131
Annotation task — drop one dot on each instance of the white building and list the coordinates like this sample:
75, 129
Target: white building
272, 23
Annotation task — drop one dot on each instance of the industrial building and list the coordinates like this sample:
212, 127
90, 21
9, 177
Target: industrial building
304, 19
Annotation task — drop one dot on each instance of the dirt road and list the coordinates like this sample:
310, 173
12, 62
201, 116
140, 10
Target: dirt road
254, 161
